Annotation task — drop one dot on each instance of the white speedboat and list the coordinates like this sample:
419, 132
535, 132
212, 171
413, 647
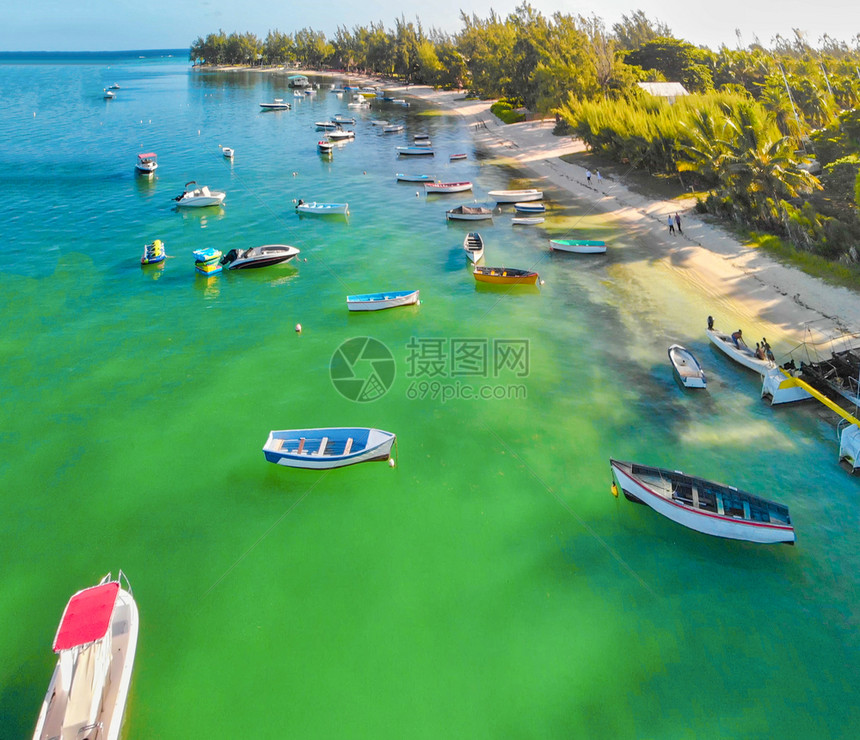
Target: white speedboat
323, 209
276, 104
343, 120
392, 128
702, 505
340, 135
265, 256
96, 642
109, 94
686, 367
200, 197
227, 152
326, 125
147, 163
379, 122
474, 246
325, 147
515, 196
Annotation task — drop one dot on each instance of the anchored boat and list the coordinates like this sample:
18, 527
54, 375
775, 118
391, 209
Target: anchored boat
505, 276
329, 447
686, 367
474, 246
380, 301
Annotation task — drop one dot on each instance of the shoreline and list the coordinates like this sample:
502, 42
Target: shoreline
739, 284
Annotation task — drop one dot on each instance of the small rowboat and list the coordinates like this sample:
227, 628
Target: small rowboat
423, 142
527, 220
446, 187
325, 448
703, 505
153, 253
415, 151
468, 213
686, 367
421, 137
530, 207
413, 178
474, 246
455, 157
578, 246
227, 152
380, 301
392, 128
323, 209
505, 276
514, 196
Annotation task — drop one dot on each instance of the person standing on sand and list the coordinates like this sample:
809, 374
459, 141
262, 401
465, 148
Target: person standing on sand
671, 224
588, 176
599, 178
678, 223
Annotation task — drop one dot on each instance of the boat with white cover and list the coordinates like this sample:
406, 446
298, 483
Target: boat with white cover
200, 197
686, 367
264, 256
323, 209
514, 196
468, 213
703, 505
96, 642
380, 301
447, 187
473, 243
328, 447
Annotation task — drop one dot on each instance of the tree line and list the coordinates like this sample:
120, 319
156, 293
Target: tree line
752, 132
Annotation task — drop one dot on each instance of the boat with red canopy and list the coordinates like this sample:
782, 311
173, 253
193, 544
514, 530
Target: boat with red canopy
147, 163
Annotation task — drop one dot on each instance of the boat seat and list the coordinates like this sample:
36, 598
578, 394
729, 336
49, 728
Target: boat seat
301, 448
278, 444
323, 444
348, 446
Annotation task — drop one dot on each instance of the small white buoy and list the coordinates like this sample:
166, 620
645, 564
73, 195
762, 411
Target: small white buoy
298, 328
198, 132
390, 462
295, 173
294, 200
417, 194
542, 282
306, 259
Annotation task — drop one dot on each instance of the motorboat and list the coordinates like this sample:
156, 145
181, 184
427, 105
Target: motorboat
207, 261
200, 197
327, 447
96, 642
153, 253
421, 137
379, 122
392, 128
415, 151
343, 120
326, 125
422, 142
515, 196
457, 157
298, 81
340, 135
505, 276
380, 301
265, 256
578, 246
530, 207
468, 213
115, 86
147, 163
227, 152
686, 367
277, 104
109, 94
474, 246
703, 505
323, 209
739, 352
401, 177
447, 187
527, 220
325, 147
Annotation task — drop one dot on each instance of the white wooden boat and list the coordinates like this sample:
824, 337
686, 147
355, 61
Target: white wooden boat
703, 505
415, 151
227, 152
474, 246
323, 209
686, 367
277, 104
447, 187
740, 353
96, 642
578, 246
392, 128
514, 196
527, 220
328, 447
264, 256
147, 163
200, 197
380, 301
530, 207
468, 213
401, 177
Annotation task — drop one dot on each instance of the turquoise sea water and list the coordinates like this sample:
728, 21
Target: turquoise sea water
487, 586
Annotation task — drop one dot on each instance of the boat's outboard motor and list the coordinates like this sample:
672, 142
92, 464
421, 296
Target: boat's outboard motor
231, 256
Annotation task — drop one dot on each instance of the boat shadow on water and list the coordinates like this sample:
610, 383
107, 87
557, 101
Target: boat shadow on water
504, 289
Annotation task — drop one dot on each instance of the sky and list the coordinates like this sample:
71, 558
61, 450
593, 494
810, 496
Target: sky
94, 25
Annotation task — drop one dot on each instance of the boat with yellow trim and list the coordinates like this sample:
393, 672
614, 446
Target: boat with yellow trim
505, 276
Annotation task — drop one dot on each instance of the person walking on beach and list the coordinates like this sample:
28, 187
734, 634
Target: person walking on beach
678, 223
599, 178
671, 224
588, 176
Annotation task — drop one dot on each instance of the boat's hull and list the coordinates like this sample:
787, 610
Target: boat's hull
377, 448
686, 367
202, 201
145, 169
780, 388
381, 301
718, 525
577, 246
124, 626
501, 276
515, 196
742, 355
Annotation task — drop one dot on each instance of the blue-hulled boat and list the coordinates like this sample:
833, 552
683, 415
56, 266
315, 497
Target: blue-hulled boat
379, 301
153, 253
401, 177
327, 447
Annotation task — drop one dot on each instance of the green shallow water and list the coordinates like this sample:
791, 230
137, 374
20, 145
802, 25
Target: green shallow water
487, 586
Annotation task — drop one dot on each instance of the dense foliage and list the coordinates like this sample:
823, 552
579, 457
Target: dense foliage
758, 122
